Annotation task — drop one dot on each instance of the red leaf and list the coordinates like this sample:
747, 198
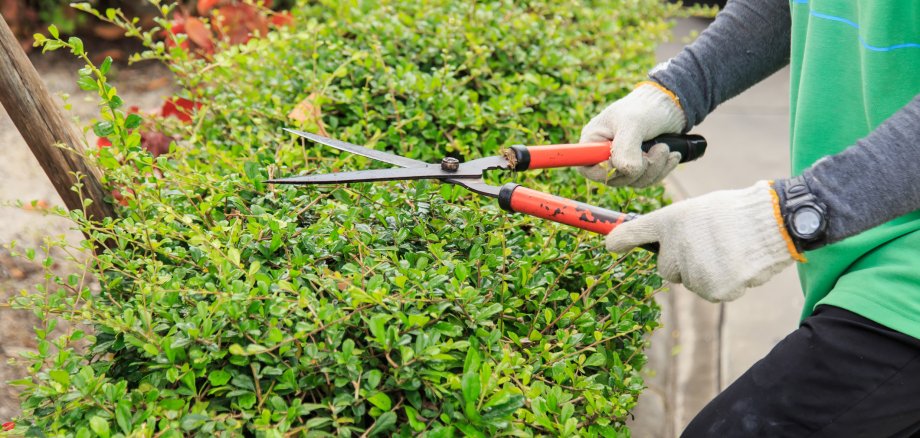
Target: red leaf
199, 34
282, 19
115, 54
103, 142
180, 107
155, 142
121, 198
108, 32
178, 23
178, 26
237, 22
8, 426
307, 111
37, 205
206, 5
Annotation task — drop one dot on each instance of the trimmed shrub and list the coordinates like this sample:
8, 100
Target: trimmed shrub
228, 306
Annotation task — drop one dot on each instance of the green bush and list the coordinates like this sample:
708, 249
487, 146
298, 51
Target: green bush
228, 306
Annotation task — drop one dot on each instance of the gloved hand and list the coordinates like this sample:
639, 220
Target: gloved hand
718, 244
643, 114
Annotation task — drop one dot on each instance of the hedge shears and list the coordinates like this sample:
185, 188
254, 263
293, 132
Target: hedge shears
511, 197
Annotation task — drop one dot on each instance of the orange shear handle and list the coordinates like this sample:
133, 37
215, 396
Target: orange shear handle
512, 197
690, 148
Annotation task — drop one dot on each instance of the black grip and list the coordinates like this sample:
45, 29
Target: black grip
521, 157
690, 146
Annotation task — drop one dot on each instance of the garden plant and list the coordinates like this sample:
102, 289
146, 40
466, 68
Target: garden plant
218, 304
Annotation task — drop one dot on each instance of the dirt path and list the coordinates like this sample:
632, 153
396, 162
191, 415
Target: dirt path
21, 178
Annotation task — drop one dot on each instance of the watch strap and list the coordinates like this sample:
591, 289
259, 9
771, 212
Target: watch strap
781, 225
795, 193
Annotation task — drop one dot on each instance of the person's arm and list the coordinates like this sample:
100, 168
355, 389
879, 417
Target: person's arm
873, 181
724, 242
748, 41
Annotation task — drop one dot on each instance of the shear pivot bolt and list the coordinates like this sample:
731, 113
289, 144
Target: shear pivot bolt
450, 164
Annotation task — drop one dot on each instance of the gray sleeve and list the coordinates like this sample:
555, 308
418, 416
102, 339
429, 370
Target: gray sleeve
748, 41
873, 181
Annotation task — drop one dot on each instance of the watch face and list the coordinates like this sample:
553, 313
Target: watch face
806, 221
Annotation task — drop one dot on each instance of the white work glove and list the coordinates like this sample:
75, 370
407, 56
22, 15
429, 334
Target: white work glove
643, 114
717, 245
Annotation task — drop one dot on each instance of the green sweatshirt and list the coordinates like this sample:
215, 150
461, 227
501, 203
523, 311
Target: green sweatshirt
854, 64
855, 132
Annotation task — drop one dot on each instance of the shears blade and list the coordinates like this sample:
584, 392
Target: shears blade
385, 157
396, 173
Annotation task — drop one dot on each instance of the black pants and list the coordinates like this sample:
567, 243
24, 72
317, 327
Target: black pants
838, 375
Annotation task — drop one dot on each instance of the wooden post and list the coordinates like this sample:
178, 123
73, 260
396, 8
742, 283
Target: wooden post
39, 120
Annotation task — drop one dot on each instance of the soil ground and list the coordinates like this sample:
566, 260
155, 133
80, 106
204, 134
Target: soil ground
145, 85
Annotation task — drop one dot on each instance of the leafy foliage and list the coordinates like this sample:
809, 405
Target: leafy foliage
230, 306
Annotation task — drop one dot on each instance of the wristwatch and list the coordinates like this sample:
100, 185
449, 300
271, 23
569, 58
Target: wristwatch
805, 216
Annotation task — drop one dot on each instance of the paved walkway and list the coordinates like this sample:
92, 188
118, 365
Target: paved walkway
703, 346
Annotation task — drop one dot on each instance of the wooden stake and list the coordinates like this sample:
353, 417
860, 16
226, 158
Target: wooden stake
39, 120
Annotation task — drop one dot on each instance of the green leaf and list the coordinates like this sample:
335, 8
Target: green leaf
377, 326
567, 410
172, 404
461, 271
52, 45
193, 421
381, 400
103, 129
595, 360
133, 121
76, 45
100, 426
441, 432
348, 347
471, 389
106, 65
317, 422
385, 422
60, 376
570, 426
123, 416
413, 417
53, 30
151, 349
472, 362
504, 409
87, 83
189, 380
247, 401
115, 102
373, 378
470, 431
535, 335
77, 335
219, 378
234, 255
